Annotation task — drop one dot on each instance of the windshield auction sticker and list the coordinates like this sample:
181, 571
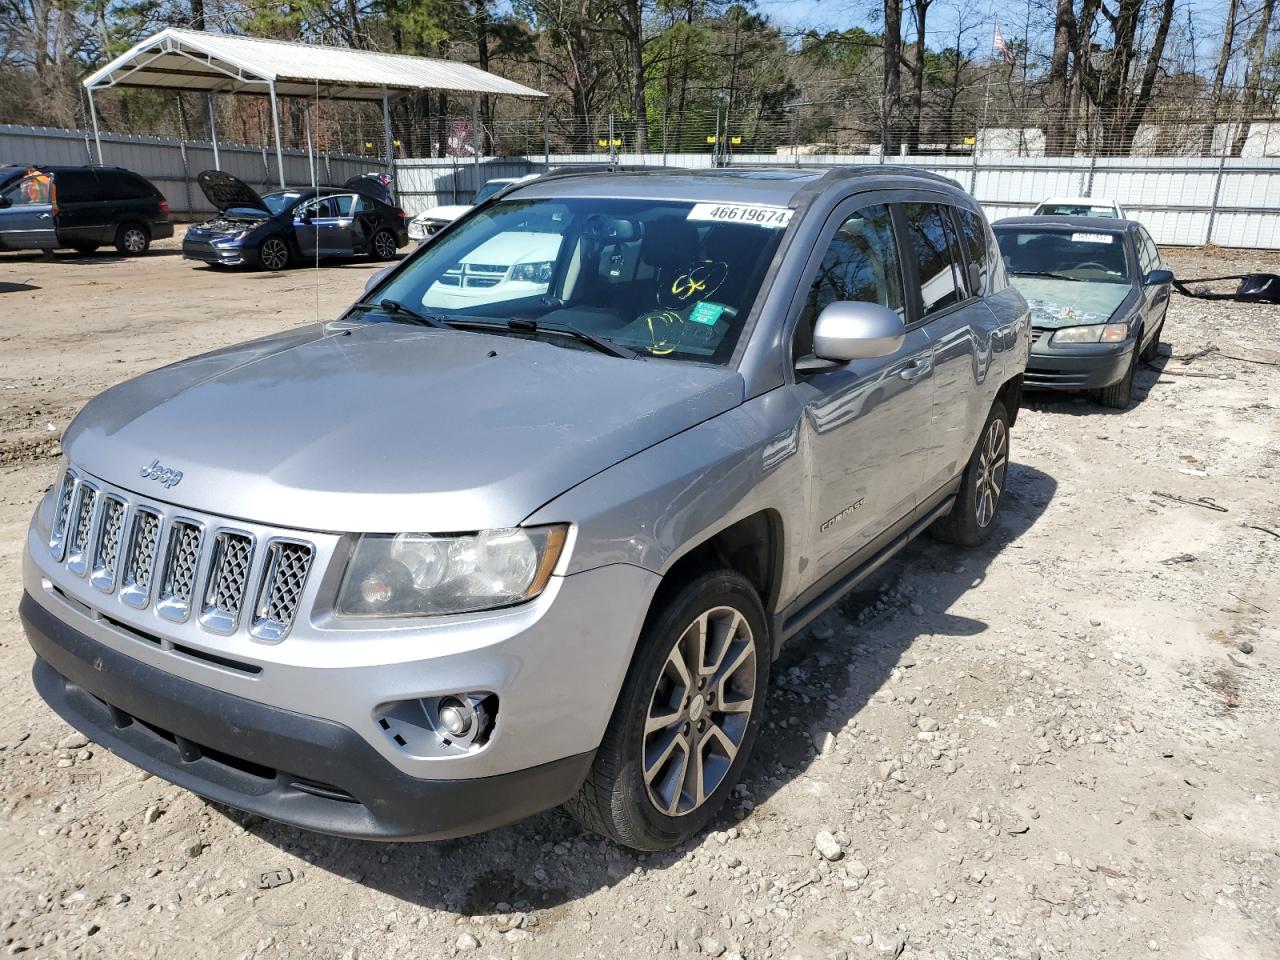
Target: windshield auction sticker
1091, 238
757, 214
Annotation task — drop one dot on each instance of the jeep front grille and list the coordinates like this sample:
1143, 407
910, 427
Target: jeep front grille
81, 526
144, 542
287, 566
106, 555
227, 582
178, 563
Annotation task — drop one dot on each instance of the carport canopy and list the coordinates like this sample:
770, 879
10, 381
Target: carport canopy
176, 59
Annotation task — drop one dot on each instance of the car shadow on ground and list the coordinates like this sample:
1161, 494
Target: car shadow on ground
105, 255
548, 860
17, 287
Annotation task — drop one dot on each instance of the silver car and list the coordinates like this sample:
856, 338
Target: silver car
450, 560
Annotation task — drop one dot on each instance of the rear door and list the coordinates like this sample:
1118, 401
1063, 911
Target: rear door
954, 255
26, 214
323, 225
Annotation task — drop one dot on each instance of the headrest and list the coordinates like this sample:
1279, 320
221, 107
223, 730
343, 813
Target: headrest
669, 242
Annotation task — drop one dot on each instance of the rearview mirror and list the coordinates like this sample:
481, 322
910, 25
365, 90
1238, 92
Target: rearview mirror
855, 330
1157, 277
375, 279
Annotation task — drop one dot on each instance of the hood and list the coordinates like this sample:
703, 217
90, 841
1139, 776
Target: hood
1071, 303
444, 214
225, 191
387, 427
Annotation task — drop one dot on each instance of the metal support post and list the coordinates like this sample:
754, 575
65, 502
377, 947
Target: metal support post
93, 115
275, 123
213, 132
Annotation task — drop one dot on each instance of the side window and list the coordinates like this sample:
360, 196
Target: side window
1150, 254
973, 237
341, 206
116, 186
861, 263
28, 190
76, 186
934, 245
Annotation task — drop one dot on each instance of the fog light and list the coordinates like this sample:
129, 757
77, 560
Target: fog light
456, 717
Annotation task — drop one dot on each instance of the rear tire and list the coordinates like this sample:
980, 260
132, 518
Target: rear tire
273, 254
671, 753
1118, 395
382, 246
132, 239
977, 504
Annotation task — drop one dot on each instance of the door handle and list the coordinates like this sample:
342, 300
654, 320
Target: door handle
46, 216
916, 369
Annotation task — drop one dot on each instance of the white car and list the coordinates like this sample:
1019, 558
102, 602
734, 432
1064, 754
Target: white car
1065, 207
506, 267
428, 222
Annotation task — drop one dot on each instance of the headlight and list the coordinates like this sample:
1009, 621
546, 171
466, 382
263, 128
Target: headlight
418, 574
1096, 333
539, 272
233, 238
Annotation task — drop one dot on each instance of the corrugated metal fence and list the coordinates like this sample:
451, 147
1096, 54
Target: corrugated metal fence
1183, 201
172, 165
1227, 201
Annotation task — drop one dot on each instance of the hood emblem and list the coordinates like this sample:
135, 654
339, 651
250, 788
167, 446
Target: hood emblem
161, 474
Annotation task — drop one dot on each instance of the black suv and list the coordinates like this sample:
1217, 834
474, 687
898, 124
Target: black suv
82, 208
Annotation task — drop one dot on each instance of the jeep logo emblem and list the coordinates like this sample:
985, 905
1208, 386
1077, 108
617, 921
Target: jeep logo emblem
161, 474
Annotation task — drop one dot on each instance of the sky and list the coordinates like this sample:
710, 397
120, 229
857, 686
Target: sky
839, 14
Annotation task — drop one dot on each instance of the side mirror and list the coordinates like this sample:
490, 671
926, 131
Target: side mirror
1157, 277
375, 279
975, 279
5, 202
854, 330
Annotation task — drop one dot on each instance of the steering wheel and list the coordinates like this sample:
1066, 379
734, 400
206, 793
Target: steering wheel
1092, 263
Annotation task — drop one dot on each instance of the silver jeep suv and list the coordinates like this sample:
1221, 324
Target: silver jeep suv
528, 524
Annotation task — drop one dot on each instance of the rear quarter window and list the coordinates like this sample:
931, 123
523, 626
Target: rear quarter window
116, 185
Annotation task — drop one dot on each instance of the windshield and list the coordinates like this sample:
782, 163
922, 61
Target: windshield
281, 200
664, 278
1079, 255
1074, 210
488, 190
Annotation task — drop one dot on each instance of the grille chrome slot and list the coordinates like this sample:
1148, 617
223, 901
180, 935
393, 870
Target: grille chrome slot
80, 533
181, 564
228, 580
140, 553
62, 516
106, 553
283, 580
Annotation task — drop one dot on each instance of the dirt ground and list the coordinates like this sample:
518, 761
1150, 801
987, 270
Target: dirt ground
1063, 744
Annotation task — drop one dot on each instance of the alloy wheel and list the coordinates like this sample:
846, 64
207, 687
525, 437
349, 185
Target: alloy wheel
993, 458
275, 255
699, 711
134, 240
384, 245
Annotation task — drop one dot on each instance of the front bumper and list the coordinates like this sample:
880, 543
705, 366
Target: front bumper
1085, 367
207, 252
300, 770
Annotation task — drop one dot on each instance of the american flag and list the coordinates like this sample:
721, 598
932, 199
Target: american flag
999, 46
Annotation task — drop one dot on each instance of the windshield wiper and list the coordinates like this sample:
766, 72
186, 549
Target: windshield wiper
398, 308
1047, 273
523, 324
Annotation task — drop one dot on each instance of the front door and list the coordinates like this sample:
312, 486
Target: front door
323, 225
26, 214
865, 428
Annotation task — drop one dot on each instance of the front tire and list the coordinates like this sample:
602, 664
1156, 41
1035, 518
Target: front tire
1118, 394
132, 239
973, 516
273, 254
687, 717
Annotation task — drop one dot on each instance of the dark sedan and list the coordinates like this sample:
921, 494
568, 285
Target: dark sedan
1098, 293
273, 230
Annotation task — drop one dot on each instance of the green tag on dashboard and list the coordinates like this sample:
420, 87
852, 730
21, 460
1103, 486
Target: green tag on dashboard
706, 312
